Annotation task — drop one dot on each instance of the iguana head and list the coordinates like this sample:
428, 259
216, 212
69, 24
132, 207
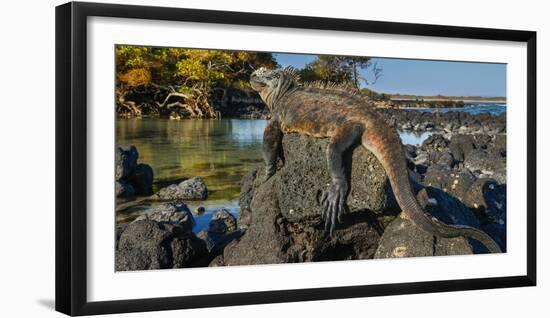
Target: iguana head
273, 84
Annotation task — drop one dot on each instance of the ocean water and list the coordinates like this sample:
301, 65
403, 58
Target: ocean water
414, 138
472, 108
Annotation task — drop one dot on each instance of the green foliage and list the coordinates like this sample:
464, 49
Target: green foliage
204, 66
368, 92
131, 57
339, 69
375, 95
187, 68
197, 74
327, 68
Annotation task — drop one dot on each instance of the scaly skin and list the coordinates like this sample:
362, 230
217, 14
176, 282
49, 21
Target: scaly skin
348, 120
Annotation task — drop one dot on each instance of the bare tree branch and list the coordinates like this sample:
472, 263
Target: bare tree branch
184, 96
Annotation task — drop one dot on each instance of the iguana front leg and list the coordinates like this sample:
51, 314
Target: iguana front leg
272, 147
333, 200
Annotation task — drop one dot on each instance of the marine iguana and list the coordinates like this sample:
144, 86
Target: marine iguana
349, 121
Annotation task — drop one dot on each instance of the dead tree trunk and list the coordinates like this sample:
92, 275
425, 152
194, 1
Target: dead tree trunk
195, 103
124, 106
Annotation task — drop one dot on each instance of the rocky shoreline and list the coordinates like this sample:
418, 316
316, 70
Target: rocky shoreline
458, 173
246, 104
396, 103
448, 123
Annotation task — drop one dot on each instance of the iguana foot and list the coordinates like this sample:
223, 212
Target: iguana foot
333, 205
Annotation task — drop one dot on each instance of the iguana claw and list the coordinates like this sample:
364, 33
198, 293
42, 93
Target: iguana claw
333, 206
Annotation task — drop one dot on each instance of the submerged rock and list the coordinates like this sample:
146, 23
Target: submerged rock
200, 210
191, 189
195, 188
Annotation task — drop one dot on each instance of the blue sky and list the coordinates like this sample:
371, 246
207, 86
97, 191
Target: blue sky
425, 77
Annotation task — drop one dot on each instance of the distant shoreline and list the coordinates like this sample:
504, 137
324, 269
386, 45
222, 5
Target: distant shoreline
465, 100
484, 101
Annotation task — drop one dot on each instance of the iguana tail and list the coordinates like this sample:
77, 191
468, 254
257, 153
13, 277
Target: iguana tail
386, 145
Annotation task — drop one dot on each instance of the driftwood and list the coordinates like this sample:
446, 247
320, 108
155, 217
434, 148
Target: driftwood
129, 107
194, 104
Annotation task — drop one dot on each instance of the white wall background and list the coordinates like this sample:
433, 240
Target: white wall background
27, 158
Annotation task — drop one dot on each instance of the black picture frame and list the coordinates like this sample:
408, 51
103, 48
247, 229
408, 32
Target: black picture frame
71, 157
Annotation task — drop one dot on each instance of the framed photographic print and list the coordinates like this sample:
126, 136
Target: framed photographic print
208, 158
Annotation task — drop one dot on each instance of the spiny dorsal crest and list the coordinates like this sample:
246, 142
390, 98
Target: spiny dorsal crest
345, 87
289, 74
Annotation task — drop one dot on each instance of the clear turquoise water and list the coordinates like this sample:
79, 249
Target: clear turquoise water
219, 151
